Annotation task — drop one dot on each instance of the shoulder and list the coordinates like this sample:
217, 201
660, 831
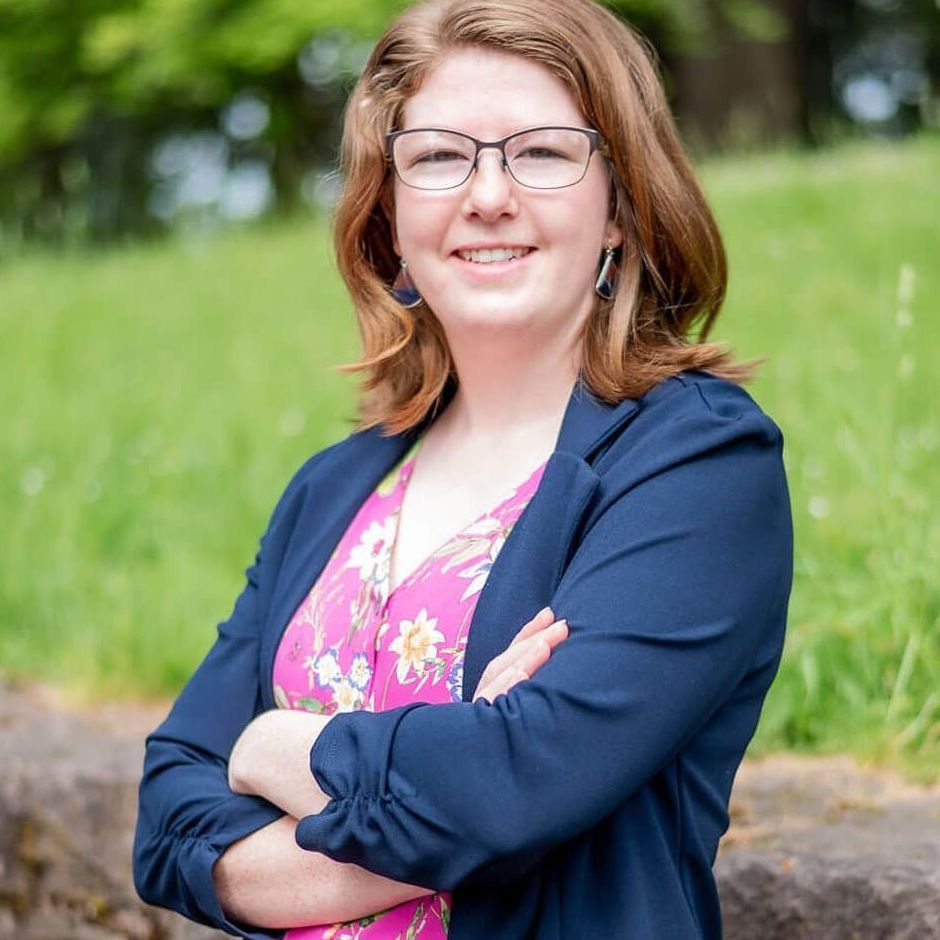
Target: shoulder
701, 409
700, 464
704, 397
317, 464
309, 478
695, 419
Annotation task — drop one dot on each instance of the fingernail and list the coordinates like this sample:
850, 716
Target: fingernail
543, 611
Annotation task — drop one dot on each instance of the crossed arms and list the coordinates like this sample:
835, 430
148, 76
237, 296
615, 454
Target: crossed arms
265, 879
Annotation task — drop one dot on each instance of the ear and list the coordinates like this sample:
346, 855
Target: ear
613, 235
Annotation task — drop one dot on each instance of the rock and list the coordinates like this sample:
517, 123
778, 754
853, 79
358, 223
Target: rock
68, 801
819, 848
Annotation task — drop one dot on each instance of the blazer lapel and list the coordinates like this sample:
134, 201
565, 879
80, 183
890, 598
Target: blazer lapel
531, 562
529, 565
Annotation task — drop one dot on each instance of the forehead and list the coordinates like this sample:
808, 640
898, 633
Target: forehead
489, 94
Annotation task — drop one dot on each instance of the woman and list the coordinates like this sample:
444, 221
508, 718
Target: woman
528, 253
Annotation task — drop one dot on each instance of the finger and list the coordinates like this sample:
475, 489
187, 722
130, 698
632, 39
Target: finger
536, 653
502, 683
555, 633
539, 622
546, 639
536, 648
520, 662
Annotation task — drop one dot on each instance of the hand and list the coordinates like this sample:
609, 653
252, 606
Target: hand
529, 650
271, 759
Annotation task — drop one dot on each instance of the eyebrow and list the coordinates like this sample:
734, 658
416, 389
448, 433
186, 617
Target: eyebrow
529, 127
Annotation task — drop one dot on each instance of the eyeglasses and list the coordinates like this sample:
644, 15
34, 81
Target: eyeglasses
539, 157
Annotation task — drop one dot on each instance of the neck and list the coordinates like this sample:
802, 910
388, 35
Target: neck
504, 397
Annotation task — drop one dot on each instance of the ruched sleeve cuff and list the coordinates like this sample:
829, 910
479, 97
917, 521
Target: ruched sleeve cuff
334, 757
202, 860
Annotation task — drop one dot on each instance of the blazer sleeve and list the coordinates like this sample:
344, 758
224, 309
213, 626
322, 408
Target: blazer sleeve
674, 590
187, 813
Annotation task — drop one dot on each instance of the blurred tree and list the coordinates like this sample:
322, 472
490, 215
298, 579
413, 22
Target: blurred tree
88, 89
100, 99
874, 62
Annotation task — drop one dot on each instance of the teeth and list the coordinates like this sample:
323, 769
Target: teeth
486, 255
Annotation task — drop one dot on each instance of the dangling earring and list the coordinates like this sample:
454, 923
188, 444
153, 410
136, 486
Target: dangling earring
404, 290
606, 282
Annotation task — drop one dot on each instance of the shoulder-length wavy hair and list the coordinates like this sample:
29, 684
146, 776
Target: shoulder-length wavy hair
673, 270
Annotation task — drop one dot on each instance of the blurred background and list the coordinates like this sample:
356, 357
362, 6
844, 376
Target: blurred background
171, 319
131, 117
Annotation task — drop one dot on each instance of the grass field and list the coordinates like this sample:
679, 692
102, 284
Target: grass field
156, 399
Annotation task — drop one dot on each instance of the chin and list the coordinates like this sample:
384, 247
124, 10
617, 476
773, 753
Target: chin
495, 319
483, 309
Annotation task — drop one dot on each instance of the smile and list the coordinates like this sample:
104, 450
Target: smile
490, 255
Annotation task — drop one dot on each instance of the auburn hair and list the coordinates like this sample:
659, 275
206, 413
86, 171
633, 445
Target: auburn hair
673, 268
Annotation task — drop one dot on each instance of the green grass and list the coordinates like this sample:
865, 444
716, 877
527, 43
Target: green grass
835, 263
156, 399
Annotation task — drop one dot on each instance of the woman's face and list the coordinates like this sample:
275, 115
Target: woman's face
545, 295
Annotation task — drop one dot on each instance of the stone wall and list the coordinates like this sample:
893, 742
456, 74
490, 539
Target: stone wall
818, 849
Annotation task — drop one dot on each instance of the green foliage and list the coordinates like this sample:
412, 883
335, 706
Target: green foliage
688, 26
140, 54
198, 48
87, 89
755, 20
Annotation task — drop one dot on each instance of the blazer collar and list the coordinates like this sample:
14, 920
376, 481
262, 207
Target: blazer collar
589, 421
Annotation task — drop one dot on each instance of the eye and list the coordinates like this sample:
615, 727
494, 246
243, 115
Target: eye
439, 156
542, 153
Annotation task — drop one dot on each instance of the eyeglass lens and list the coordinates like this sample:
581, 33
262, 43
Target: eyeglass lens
543, 158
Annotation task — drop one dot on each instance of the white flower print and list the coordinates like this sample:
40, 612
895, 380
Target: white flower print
359, 671
326, 668
484, 526
347, 698
416, 643
371, 555
310, 664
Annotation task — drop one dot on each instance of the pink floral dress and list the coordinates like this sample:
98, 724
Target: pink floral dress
352, 645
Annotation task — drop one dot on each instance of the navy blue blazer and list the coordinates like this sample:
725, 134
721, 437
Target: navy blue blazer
588, 801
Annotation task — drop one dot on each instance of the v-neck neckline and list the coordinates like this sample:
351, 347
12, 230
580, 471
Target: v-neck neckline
404, 477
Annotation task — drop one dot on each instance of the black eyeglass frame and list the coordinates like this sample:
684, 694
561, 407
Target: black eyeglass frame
595, 142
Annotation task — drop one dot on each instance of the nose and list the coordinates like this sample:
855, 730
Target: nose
491, 190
